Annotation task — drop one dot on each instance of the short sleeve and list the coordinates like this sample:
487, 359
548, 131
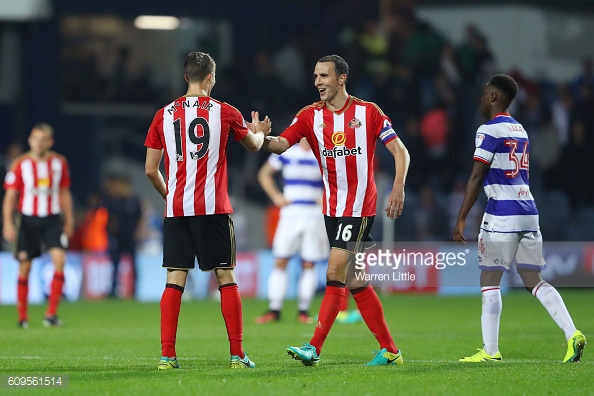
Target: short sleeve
386, 132
65, 180
236, 123
10, 180
485, 146
153, 137
298, 128
275, 161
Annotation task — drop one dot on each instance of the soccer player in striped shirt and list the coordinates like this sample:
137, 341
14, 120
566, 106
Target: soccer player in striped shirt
342, 131
191, 133
509, 229
38, 185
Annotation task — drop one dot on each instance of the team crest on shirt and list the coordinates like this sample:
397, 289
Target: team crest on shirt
339, 138
479, 139
355, 123
322, 125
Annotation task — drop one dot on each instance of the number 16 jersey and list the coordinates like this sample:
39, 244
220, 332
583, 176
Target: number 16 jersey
193, 134
503, 144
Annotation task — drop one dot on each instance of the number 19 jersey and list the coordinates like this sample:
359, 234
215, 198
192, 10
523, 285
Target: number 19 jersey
193, 134
503, 144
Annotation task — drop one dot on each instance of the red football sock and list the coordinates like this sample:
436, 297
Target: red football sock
231, 309
329, 308
55, 293
170, 306
373, 314
345, 302
22, 293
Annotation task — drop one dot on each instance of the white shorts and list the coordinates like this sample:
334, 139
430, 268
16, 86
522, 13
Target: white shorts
497, 250
304, 235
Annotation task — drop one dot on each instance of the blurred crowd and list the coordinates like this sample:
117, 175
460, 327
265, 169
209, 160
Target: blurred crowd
428, 85
430, 88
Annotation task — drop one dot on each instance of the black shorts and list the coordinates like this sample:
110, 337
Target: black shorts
37, 234
209, 238
348, 233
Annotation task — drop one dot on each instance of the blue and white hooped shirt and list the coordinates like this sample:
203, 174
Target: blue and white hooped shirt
503, 144
303, 184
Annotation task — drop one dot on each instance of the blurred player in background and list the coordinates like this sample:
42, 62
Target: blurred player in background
38, 185
300, 229
192, 132
342, 131
510, 229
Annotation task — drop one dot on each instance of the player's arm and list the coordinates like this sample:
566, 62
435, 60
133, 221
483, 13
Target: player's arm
395, 203
67, 211
266, 180
473, 187
276, 144
258, 130
151, 169
8, 205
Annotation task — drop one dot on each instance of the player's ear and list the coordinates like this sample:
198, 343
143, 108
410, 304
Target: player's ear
186, 77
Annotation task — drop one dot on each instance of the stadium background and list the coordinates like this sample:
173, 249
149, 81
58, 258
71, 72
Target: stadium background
83, 67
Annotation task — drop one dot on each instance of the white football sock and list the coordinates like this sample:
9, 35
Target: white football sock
550, 298
308, 283
491, 313
277, 288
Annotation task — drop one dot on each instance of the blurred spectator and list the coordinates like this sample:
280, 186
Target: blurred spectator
90, 234
575, 168
475, 56
125, 211
561, 111
431, 222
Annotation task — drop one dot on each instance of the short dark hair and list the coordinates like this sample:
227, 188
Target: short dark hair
198, 65
340, 65
505, 84
44, 127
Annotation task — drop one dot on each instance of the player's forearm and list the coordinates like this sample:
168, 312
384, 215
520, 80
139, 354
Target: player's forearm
268, 185
470, 196
402, 162
8, 206
66, 206
276, 144
158, 182
254, 141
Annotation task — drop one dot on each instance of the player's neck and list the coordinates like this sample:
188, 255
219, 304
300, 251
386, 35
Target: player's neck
198, 90
39, 157
338, 101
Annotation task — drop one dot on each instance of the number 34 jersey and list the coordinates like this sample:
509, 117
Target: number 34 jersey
503, 144
193, 134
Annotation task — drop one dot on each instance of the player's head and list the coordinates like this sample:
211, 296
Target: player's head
498, 94
199, 67
41, 138
330, 76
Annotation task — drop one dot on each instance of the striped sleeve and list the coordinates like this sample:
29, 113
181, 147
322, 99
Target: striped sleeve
485, 146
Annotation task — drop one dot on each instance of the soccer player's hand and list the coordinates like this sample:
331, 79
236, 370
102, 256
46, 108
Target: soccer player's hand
395, 202
458, 234
68, 229
280, 200
9, 232
256, 125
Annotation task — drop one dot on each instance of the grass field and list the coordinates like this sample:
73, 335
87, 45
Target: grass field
113, 347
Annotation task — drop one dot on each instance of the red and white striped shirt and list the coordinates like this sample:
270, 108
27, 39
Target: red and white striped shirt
38, 183
193, 132
344, 145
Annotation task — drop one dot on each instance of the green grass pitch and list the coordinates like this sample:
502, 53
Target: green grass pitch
113, 347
